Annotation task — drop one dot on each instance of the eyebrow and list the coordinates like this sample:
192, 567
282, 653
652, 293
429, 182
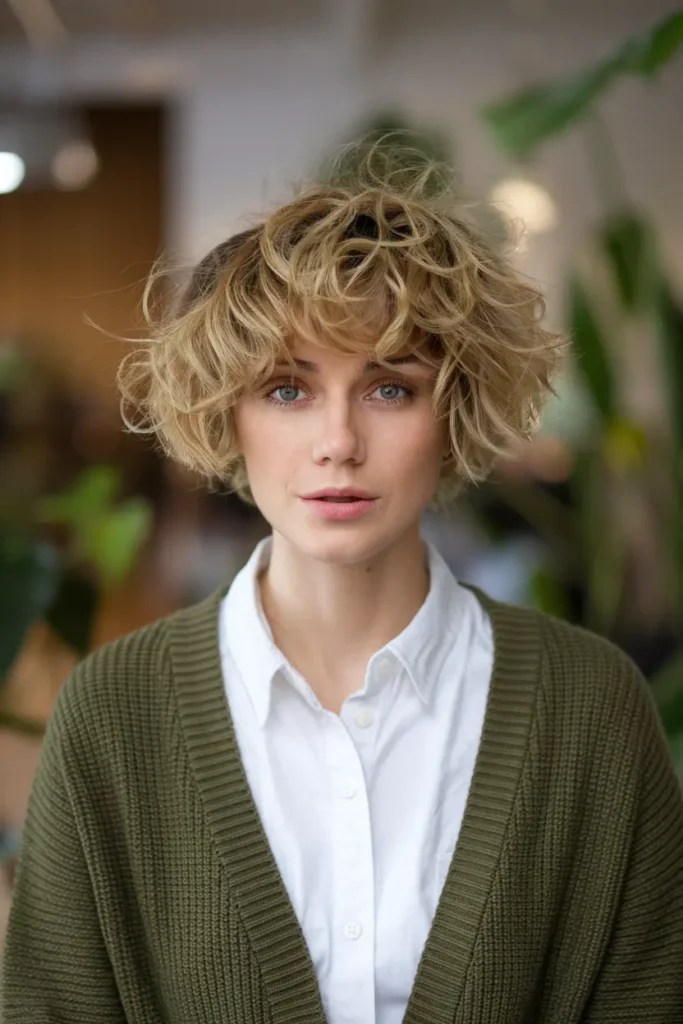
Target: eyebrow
304, 364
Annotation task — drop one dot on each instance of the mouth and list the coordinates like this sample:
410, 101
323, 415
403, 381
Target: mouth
341, 501
340, 494
340, 506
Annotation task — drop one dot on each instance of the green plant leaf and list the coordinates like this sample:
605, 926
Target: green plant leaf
548, 593
107, 536
14, 370
593, 358
114, 540
92, 495
627, 242
520, 123
669, 324
72, 612
667, 689
534, 114
676, 748
29, 575
624, 446
647, 54
603, 549
668, 316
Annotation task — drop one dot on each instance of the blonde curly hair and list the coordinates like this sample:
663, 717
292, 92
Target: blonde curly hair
382, 265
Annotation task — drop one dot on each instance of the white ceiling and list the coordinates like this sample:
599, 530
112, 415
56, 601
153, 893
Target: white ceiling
142, 17
385, 18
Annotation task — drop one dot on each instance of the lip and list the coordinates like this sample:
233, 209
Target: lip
339, 510
339, 492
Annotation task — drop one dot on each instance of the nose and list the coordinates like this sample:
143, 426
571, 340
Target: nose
338, 436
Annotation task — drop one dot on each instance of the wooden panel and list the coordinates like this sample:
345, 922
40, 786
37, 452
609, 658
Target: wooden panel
65, 254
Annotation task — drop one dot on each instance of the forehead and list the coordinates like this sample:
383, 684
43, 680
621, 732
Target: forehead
313, 357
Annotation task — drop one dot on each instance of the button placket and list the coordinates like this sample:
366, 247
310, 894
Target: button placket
364, 717
352, 932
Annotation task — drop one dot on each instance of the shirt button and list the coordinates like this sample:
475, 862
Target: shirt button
384, 669
347, 791
364, 718
352, 930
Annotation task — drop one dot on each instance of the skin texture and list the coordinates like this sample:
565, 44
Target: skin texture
337, 591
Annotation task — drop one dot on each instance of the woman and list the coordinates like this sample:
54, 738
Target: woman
348, 787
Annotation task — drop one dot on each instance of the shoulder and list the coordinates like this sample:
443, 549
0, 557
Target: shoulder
592, 671
586, 685
126, 682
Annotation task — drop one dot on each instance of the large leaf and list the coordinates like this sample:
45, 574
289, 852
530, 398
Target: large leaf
603, 548
533, 115
593, 358
29, 575
115, 539
92, 495
669, 324
72, 612
645, 55
676, 748
13, 369
536, 113
108, 537
667, 689
628, 244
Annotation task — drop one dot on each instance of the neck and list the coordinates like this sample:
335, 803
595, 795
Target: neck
329, 619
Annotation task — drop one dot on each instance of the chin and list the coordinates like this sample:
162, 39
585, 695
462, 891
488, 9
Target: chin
343, 544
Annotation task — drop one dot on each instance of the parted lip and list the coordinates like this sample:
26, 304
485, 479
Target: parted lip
339, 492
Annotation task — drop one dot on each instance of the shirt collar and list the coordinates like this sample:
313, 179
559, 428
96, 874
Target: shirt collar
421, 648
247, 634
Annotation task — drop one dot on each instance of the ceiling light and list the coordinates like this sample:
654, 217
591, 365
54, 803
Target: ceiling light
528, 202
12, 171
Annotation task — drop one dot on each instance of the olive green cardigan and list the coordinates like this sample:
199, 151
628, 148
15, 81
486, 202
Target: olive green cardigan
147, 892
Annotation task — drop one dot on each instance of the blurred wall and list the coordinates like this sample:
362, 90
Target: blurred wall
262, 116
253, 110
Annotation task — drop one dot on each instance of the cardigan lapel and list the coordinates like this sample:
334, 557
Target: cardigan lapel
274, 931
442, 971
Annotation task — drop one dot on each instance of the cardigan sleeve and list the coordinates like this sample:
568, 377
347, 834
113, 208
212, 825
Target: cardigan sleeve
641, 976
55, 966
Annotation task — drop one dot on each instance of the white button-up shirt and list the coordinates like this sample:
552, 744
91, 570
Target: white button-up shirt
362, 810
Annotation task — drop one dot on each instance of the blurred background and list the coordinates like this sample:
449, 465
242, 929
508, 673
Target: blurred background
145, 127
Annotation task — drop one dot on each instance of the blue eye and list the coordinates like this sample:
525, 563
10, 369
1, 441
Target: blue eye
391, 393
393, 399
389, 387
288, 393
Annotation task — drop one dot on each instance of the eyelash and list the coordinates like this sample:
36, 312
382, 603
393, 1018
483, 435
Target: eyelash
409, 393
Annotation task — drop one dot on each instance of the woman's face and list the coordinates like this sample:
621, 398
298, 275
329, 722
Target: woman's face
341, 423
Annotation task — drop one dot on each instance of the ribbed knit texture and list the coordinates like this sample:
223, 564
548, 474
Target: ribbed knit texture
147, 892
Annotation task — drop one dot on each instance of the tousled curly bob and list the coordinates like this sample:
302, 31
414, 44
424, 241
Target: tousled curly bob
366, 268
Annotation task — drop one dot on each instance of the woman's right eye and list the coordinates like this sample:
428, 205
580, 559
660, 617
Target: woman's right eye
287, 394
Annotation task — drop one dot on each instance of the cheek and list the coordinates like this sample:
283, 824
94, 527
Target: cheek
267, 445
420, 449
